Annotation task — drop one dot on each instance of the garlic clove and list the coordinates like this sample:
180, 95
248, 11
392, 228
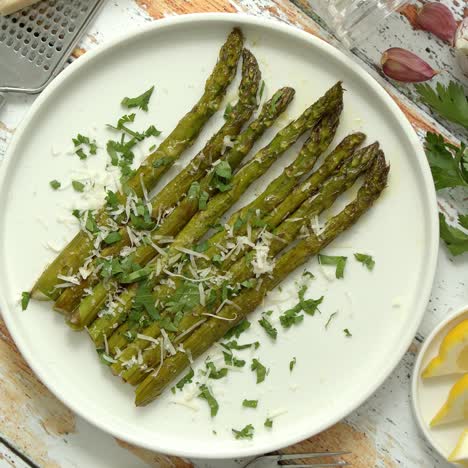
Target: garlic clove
402, 65
461, 45
438, 19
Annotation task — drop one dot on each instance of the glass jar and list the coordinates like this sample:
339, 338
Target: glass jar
353, 20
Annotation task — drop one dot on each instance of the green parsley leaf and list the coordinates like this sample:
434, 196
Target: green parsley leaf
339, 262
237, 330
140, 101
194, 191
268, 327
231, 360
164, 161
227, 111
152, 131
292, 363
250, 403
81, 140
152, 148
292, 316
91, 224
185, 380
246, 433
25, 297
223, 169
274, 100
112, 200
234, 345
201, 247
260, 370
78, 186
268, 422
144, 299
448, 163
455, 239
347, 332
366, 260
308, 274
55, 184
332, 316
216, 373
185, 298
449, 101
211, 400
262, 89
113, 237
202, 201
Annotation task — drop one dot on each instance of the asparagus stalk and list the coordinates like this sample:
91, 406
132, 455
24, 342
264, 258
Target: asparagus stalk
201, 221
321, 137
214, 329
194, 171
149, 173
242, 270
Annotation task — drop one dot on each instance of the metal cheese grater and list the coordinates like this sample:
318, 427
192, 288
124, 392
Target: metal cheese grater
36, 41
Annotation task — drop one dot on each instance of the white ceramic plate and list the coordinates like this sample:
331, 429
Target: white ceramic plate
428, 395
334, 374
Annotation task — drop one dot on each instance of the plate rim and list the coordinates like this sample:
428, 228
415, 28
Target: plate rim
241, 19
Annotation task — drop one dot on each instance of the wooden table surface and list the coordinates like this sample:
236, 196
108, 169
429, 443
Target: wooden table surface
37, 430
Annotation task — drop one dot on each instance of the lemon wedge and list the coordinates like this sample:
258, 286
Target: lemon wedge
456, 406
453, 354
460, 453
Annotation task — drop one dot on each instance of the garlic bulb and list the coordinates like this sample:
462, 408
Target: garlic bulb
461, 45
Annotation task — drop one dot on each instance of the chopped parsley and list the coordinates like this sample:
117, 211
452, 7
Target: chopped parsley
260, 370
113, 237
78, 186
162, 162
366, 260
274, 100
205, 394
185, 380
25, 297
338, 261
268, 422
246, 433
347, 332
237, 330
308, 274
222, 174
144, 300
332, 316
185, 298
234, 345
112, 200
203, 200
140, 101
250, 403
294, 315
268, 327
55, 184
292, 364
214, 373
262, 89
231, 360
79, 141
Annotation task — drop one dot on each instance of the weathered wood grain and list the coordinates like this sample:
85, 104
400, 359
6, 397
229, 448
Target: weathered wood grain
379, 434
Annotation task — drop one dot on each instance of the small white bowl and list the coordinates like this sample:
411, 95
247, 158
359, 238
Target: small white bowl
428, 395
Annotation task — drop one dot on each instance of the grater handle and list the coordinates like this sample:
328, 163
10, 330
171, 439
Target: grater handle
2, 100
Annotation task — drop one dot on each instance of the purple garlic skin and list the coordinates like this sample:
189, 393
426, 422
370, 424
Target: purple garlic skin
402, 65
438, 19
